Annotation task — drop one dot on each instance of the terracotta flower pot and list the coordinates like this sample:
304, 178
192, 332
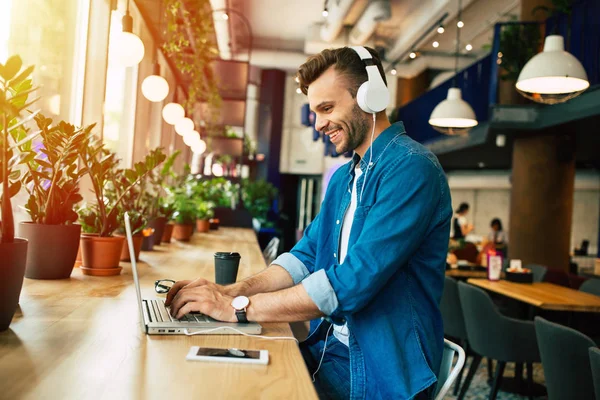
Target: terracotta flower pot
101, 254
52, 249
13, 257
183, 232
137, 247
202, 225
166, 237
158, 224
78, 259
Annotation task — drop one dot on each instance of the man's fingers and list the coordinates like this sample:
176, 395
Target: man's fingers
174, 290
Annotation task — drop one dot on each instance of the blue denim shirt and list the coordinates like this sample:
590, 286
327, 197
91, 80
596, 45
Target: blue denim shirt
389, 287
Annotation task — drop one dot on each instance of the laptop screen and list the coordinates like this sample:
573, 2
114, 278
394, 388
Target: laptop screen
134, 270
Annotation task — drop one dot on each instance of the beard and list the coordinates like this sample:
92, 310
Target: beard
355, 127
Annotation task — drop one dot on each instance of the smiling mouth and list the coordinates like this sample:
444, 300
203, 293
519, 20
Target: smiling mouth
335, 135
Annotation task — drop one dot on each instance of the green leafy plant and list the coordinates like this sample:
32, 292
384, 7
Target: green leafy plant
157, 206
186, 208
15, 87
52, 177
204, 209
518, 44
190, 43
102, 166
258, 197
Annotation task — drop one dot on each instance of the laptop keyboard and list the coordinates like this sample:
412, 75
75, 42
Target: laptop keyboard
164, 314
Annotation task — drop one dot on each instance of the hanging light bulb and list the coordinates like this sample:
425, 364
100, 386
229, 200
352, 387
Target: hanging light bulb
412, 55
453, 116
172, 113
440, 29
436, 44
469, 47
225, 16
394, 71
154, 87
191, 138
199, 147
298, 90
460, 24
552, 76
184, 125
128, 49
325, 13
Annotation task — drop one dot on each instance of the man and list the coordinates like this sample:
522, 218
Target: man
372, 262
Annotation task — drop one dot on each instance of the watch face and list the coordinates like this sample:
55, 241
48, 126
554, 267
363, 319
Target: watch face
240, 302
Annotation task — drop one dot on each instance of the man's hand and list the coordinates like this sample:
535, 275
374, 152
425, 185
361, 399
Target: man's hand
190, 284
206, 298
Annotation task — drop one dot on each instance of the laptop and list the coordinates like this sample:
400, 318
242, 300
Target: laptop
156, 319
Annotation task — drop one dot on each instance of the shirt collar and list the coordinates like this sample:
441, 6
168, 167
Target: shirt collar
379, 145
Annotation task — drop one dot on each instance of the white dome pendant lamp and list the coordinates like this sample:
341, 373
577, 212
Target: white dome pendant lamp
172, 113
130, 48
454, 116
154, 87
552, 76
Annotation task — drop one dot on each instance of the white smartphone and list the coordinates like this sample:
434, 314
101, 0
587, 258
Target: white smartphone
234, 355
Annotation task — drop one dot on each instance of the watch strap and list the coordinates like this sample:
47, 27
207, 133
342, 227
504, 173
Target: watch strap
241, 316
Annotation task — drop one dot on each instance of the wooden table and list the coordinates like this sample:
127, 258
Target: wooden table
80, 338
464, 274
543, 295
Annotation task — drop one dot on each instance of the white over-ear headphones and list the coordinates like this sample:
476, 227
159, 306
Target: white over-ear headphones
372, 96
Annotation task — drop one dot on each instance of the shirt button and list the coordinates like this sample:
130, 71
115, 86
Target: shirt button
337, 222
334, 255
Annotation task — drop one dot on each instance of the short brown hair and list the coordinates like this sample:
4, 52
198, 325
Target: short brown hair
345, 60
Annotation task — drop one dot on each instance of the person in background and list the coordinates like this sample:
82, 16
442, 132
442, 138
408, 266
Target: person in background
497, 235
460, 224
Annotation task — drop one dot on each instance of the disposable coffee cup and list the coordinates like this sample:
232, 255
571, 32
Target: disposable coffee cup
226, 267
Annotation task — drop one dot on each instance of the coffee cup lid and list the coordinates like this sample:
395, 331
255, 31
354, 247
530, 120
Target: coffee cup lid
227, 255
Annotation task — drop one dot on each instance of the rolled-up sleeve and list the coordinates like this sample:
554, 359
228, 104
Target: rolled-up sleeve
293, 266
321, 292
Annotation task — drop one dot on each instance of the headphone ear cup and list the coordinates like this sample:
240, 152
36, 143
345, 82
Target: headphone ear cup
361, 97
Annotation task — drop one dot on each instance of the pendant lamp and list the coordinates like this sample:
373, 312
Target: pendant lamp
453, 116
129, 48
172, 113
552, 76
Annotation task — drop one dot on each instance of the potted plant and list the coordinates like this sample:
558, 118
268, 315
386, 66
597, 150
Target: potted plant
133, 203
167, 209
101, 253
15, 87
185, 214
157, 213
258, 198
204, 212
518, 43
52, 181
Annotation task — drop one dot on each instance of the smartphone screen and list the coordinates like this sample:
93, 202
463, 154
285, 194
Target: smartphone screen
228, 353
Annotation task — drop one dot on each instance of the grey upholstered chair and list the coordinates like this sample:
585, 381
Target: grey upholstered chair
454, 323
595, 363
566, 361
538, 271
591, 286
495, 336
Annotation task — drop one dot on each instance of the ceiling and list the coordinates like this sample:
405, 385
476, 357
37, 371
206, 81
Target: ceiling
281, 30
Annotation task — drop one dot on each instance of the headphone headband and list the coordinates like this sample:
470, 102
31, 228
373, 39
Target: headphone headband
373, 95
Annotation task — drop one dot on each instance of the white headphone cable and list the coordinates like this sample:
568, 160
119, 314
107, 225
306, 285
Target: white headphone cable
203, 331
370, 159
322, 355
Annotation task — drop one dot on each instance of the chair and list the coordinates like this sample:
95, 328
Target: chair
595, 363
565, 360
468, 252
454, 321
495, 336
448, 373
591, 286
538, 271
270, 252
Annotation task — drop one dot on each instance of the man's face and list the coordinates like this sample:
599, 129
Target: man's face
338, 114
